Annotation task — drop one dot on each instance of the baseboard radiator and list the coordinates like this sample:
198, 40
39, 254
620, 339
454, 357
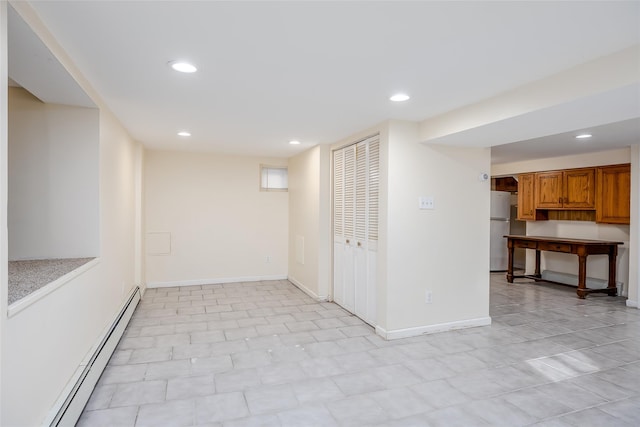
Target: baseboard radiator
75, 402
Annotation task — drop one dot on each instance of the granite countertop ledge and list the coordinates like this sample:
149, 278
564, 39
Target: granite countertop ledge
26, 277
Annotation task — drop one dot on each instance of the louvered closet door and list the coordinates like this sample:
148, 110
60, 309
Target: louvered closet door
338, 227
344, 226
371, 237
349, 228
355, 191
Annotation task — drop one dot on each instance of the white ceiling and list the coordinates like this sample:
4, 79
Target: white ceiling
605, 137
33, 66
319, 71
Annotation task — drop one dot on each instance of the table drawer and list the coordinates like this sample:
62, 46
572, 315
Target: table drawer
525, 245
554, 247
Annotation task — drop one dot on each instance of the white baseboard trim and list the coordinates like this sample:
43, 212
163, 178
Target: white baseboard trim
214, 281
143, 288
307, 291
633, 304
432, 329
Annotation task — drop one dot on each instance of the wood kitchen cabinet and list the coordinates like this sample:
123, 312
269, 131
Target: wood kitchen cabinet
548, 187
580, 189
613, 194
566, 189
526, 207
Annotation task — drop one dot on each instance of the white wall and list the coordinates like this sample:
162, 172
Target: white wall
222, 226
310, 221
44, 344
597, 265
445, 250
53, 179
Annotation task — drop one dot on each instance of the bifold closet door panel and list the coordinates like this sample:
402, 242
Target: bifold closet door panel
361, 284
338, 227
338, 273
355, 216
349, 278
372, 286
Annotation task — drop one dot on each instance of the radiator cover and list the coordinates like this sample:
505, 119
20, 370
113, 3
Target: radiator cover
72, 407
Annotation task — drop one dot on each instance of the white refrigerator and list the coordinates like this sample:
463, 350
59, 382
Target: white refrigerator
499, 226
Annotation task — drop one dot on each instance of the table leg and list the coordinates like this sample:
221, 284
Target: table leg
510, 262
611, 287
537, 273
582, 276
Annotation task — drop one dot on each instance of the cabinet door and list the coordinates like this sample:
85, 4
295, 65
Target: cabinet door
526, 207
613, 194
548, 190
579, 189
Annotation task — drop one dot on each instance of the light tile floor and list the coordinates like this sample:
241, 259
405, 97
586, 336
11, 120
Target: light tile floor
265, 354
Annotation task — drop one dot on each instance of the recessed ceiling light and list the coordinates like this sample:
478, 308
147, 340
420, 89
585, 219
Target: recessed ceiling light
184, 133
399, 97
294, 142
584, 136
183, 67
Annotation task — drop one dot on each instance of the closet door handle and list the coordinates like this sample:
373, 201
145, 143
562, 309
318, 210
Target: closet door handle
359, 244
347, 241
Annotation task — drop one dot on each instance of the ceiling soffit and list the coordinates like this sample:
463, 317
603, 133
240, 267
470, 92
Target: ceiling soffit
603, 91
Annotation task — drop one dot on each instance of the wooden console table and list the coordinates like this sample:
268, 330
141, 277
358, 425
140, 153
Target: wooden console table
580, 247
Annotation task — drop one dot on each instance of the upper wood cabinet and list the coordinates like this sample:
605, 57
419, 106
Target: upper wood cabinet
548, 190
613, 194
600, 193
579, 188
526, 207
566, 189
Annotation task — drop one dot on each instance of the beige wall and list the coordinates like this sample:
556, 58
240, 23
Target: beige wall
53, 179
597, 89
445, 250
606, 157
222, 226
634, 230
309, 221
382, 130
4, 174
44, 344
597, 266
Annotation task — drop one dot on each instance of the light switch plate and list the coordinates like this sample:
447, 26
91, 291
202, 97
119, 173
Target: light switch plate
426, 202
